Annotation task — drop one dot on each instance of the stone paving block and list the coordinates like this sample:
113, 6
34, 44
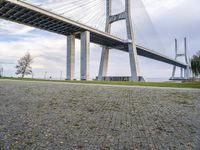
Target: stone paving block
38, 116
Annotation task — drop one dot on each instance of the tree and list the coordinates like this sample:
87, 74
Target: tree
24, 65
195, 64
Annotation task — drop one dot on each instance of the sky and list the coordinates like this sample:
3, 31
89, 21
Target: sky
155, 27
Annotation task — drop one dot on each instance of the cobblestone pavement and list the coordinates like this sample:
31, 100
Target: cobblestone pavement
57, 116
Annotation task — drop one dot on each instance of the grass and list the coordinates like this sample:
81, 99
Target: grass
130, 83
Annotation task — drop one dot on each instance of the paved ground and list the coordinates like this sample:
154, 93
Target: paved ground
56, 116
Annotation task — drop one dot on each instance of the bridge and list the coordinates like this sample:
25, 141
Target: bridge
30, 15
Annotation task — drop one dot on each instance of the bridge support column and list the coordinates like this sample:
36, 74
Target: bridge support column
131, 45
70, 57
181, 72
104, 63
103, 68
187, 72
85, 55
133, 62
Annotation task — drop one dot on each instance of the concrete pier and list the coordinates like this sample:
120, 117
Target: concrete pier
103, 69
85, 55
70, 57
133, 56
133, 62
187, 72
181, 72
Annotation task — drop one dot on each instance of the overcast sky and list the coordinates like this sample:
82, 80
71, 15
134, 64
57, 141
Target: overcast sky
169, 19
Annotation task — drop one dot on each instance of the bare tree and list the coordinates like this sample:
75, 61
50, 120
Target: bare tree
24, 65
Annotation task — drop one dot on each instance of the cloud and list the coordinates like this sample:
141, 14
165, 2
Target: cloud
39, 47
6, 62
13, 28
158, 7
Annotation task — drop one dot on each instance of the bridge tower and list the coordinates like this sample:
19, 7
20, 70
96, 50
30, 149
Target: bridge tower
126, 15
186, 70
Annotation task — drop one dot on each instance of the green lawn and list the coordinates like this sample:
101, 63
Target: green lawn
156, 84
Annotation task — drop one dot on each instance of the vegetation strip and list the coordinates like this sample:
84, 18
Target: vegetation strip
156, 84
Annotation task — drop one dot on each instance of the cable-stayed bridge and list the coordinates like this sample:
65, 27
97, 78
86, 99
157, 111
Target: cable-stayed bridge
27, 14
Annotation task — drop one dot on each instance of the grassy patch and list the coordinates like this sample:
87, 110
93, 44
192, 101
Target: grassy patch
130, 83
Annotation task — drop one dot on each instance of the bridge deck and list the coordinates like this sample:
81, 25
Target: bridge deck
27, 14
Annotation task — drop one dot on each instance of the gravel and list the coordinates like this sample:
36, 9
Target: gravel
56, 116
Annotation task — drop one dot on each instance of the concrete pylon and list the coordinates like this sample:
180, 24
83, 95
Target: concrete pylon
70, 57
126, 15
85, 55
176, 55
103, 69
188, 67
